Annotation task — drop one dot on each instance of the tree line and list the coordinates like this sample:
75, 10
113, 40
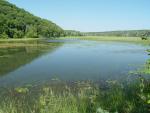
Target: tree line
73, 33
144, 34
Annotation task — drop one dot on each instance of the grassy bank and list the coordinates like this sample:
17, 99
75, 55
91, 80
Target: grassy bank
19, 40
25, 42
33, 41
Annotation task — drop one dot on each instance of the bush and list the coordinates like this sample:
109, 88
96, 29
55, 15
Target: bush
4, 35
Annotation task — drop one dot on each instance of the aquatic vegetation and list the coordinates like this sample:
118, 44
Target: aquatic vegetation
148, 50
21, 90
78, 97
144, 70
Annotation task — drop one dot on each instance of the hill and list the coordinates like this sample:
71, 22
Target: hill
18, 23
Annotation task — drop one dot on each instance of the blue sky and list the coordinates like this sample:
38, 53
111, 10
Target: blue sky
91, 15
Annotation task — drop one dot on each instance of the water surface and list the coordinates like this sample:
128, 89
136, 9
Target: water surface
70, 60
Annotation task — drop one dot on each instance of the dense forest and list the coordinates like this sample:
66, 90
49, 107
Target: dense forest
18, 23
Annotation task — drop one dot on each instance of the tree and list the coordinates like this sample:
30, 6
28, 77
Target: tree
144, 35
31, 32
4, 35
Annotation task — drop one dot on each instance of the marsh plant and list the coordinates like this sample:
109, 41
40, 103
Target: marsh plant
78, 97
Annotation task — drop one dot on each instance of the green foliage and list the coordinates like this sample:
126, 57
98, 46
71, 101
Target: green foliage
144, 70
78, 97
17, 23
73, 33
31, 32
21, 90
4, 35
144, 35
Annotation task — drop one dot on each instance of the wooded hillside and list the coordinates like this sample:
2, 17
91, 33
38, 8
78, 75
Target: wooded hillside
18, 23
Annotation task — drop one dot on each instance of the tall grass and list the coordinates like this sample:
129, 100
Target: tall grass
77, 97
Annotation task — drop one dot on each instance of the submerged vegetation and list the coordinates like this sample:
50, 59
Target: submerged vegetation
78, 97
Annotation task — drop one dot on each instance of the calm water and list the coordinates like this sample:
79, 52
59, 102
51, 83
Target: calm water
79, 60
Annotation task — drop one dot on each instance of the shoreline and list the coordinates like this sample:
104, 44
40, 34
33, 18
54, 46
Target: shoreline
35, 41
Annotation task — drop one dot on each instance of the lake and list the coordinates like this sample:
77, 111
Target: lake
70, 61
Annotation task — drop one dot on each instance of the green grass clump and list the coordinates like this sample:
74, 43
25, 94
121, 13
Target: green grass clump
78, 97
145, 70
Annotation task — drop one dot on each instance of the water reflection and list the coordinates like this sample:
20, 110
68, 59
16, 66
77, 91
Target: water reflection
12, 58
81, 60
